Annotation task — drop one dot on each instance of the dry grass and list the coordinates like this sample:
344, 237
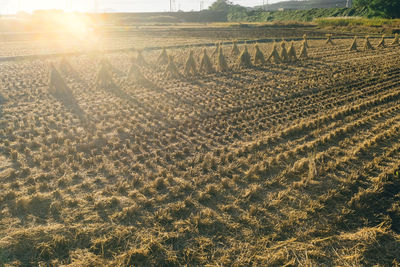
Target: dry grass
280, 165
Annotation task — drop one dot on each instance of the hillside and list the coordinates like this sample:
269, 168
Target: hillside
306, 4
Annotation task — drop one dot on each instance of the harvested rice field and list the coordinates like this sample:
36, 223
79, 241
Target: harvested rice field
201, 156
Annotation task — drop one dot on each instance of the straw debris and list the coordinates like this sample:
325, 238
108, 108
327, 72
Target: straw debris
222, 64
245, 58
190, 66
259, 56
205, 63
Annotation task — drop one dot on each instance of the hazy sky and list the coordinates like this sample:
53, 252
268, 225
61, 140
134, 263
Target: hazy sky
11, 6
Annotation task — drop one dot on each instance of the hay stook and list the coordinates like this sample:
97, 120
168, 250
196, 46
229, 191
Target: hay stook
205, 63
222, 65
382, 42
396, 39
367, 44
292, 53
104, 76
353, 46
163, 57
305, 40
329, 40
190, 66
235, 50
171, 70
134, 74
303, 52
259, 58
284, 55
245, 58
274, 54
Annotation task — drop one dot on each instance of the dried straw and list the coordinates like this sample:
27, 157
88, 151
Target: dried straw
222, 64
190, 66
205, 63
235, 49
367, 44
303, 51
329, 39
353, 46
163, 57
396, 39
274, 54
382, 42
284, 55
292, 53
259, 56
171, 69
245, 58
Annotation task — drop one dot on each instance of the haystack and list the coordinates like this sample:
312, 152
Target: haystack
57, 85
305, 40
190, 66
396, 39
292, 53
163, 57
245, 58
353, 46
66, 67
367, 44
259, 56
222, 65
382, 42
329, 40
140, 61
205, 63
274, 54
303, 51
135, 74
171, 70
216, 50
235, 49
284, 55
104, 74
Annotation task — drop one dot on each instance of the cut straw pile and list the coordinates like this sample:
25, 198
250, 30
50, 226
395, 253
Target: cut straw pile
367, 44
353, 46
245, 58
222, 65
205, 63
274, 54
259, 58
171, 70
190, 66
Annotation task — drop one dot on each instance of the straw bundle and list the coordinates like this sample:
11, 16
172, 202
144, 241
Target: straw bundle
284, 55
235, 49
171, 69
396, 39
163, 57
329, 39
245, 58
382, 42
367, 44
222, 64
292, 53
259, 56
274, 54
190, 66
353, 46
205, 63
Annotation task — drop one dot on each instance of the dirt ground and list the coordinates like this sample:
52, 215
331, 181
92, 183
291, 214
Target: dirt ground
275, 164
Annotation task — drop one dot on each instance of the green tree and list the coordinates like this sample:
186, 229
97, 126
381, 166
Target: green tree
227, 6
381, 8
